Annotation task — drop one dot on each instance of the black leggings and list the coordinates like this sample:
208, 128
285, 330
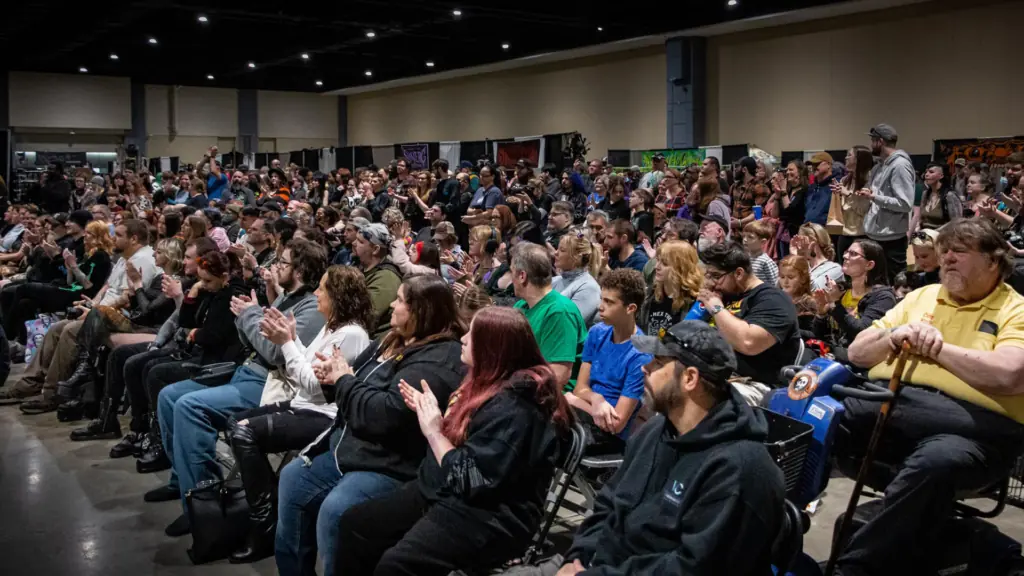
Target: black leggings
403, 533
26, 300
270, 429
125, 369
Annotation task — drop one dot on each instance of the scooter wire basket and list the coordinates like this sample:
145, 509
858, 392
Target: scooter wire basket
1015, 493
787, 442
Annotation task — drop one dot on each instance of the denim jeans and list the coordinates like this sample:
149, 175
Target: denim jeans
190, 415
311, 500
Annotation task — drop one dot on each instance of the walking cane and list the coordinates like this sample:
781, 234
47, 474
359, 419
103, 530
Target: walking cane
895, 385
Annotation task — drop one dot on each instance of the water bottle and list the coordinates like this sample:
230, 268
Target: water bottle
698, 312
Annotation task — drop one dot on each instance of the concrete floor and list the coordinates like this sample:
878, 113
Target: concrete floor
66, 508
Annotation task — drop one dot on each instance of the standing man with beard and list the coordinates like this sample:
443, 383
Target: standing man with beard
697, 492
620, 242
240, 189
960, 421
892, 198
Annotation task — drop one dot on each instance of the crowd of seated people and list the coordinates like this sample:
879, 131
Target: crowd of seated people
426, 339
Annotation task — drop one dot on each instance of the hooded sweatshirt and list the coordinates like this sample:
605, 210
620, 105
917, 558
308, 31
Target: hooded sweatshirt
892, 183
707, 502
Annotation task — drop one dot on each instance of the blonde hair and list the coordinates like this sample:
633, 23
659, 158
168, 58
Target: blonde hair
925, 238
683, 277
173, 250
820, 236
98, 232
584, 253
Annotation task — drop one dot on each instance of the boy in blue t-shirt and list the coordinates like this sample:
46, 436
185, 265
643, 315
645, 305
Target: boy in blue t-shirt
610, 385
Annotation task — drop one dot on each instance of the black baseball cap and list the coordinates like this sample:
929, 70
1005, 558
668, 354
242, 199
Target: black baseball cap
693, 343
270, 206
658, 157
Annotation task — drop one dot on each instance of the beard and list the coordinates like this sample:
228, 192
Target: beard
953, 280
704, 243
876, 150
664, 400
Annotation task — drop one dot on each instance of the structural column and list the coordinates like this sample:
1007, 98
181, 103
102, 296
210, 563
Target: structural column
686, 81
342, 121
138, 135
248, 122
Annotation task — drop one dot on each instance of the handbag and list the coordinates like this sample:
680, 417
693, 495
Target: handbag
216, 374
834, 224
218, 516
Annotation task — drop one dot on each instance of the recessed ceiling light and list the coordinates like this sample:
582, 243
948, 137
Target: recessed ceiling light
113, 56
368, 73
304, 56
83, 69
152, 40
203, 19
72, 132
251, 64
456, 12
319, 82
504, 46
600, 29
209, 76
732, 2
370, 33
430, 64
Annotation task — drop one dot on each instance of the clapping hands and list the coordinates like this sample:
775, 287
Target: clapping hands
424, 404
329, 369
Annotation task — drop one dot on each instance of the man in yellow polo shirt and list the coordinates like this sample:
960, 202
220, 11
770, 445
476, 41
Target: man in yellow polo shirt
958, 423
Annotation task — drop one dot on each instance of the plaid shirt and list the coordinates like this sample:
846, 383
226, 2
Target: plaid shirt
745, 197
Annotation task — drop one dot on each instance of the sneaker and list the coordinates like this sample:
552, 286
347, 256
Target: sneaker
11, 395
17, 351
39, 406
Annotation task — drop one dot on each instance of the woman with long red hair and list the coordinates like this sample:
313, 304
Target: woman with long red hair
480, 492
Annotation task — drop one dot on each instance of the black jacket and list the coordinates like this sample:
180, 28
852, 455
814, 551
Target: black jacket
149, 306
210, 312
793, 216
500, 475
381, 434
839, 328
379, 204
616, 210
709, 502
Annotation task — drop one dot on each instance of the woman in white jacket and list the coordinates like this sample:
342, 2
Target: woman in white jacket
295, 407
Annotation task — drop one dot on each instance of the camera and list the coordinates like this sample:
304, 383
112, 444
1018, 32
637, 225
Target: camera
1015, 238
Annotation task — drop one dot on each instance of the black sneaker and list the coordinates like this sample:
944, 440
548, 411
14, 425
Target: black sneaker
162, 494
130, 445
178, 528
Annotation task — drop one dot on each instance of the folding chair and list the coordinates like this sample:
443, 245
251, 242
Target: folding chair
608, 461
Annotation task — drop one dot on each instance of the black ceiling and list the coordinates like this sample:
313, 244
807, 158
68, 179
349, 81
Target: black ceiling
46, 36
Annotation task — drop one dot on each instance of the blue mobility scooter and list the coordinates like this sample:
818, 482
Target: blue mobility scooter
804, 420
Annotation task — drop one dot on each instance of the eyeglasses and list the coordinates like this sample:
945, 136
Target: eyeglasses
851, 254
284, 262
714, 276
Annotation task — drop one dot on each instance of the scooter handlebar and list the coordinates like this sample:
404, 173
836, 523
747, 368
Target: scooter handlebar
863, 391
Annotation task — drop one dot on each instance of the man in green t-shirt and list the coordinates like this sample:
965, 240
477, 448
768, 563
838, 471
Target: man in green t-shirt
557, 323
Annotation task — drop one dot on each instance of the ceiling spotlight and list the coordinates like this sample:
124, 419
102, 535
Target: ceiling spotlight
368, 73
304, 56
203, 19
504, 46
430, 64
113, 56
456, 12
370, 34
152, 40
319, 82
600, 29
251, 64
83, 69
72, 132
732, 3
209, 76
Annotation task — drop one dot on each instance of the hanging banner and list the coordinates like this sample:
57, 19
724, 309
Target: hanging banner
417, 155
678, 159
991, 151
509, 153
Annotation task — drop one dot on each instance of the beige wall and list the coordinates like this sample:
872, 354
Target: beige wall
614, 101
205, 116
931, 71
67, 101
297, 120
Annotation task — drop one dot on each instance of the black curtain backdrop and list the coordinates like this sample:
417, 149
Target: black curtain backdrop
733, 153
343, 158
363, 156
473, 150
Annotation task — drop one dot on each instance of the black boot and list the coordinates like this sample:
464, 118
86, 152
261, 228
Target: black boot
83, 374
133, 441
260, 492
106, 427
153, 459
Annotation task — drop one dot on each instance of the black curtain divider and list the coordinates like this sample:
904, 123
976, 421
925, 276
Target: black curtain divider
472, 150
232, 160
311, 158
920, 161
837, 155
619, 157
295, 157
790, 156
343, 158
264, 159
733, 153
433, 151
154, 166
362, 157
553, 151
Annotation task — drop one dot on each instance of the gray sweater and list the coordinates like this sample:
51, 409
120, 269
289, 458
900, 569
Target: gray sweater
308, 322
580, 287
892, 183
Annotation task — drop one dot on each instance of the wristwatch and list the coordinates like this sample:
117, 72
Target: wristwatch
715, 310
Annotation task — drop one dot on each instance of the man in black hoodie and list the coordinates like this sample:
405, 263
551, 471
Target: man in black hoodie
697, 493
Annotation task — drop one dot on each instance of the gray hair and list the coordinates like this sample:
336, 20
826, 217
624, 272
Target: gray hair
599, 214
532, 259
